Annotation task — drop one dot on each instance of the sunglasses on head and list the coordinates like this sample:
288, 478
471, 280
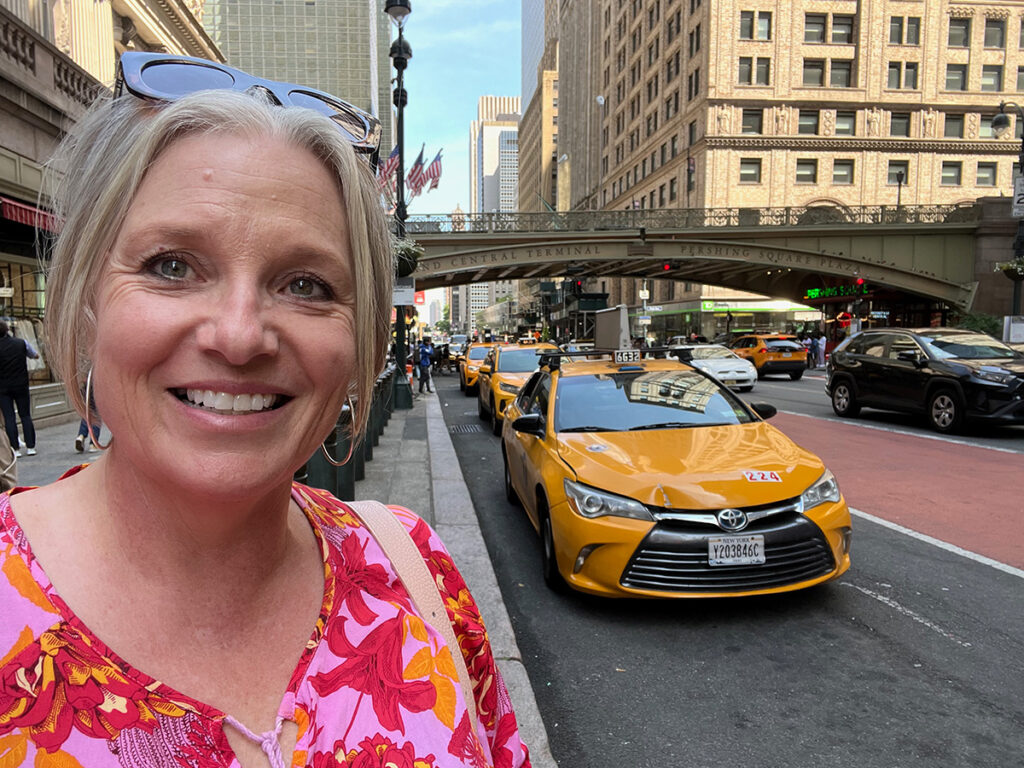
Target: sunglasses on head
166, 77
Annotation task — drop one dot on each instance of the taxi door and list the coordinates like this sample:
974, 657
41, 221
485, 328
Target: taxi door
484, 376
527, 453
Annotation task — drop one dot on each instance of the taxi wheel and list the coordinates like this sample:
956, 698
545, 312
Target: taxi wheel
510, 492
480, 409
462, 383
552, 577
796, 375
495, 423
945, 412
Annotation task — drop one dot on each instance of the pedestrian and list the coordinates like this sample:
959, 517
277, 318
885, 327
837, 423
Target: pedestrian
89, 430
220, 283
14, 354
822, 343
425, 358
812, 352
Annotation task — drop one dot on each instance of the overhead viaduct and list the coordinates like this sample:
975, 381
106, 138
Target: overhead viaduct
929, 251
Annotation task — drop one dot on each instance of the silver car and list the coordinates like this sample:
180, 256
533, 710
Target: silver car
722, 363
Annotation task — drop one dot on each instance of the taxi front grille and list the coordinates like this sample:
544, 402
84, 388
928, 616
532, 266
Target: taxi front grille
674, 561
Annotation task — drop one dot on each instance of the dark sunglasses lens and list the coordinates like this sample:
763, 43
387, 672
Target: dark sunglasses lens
350, 122
173, 78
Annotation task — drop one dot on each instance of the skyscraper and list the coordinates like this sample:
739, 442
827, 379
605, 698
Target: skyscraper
338, 46
494, 155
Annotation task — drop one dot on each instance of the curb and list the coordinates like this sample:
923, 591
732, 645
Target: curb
456, 522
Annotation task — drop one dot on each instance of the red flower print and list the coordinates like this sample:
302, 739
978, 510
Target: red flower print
466, 746
381, 752
354, 577
60, 681
374, 667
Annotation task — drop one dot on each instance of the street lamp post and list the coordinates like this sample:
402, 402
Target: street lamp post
400, 53
1000, 125
899, 188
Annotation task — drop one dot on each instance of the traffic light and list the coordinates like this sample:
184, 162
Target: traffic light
576, 287
860, 281
666, 267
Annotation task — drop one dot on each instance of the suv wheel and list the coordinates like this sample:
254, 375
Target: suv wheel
945, 412
495, 422
843, 402
796, 375
480, 409
510, 492
462, 383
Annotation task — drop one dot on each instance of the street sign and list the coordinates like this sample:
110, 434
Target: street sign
1018, 197
643, 320
404, 291
654, 308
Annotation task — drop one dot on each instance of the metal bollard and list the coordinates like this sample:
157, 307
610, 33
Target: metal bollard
374, 428
345, 483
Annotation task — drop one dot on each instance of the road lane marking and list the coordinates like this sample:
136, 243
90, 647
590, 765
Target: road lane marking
894, 430
888, 601
941, 544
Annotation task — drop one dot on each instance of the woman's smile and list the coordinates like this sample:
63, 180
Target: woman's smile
225, 402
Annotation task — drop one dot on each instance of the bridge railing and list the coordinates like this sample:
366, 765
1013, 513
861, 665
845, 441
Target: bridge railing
686, 218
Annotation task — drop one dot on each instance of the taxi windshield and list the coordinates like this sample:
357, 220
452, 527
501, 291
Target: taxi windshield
637, 400
478, 353
967, 346
518, 360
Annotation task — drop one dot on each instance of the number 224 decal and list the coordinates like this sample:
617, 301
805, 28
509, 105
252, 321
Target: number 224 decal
758, 476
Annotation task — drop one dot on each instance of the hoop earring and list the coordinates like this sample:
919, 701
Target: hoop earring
351, 443
88, 412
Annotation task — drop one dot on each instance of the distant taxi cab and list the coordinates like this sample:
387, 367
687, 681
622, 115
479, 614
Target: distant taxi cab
503, 372
469, 365
772, 353
649, 478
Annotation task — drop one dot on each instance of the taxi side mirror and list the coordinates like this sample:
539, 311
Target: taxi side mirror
530, 423
764, 410
485, 369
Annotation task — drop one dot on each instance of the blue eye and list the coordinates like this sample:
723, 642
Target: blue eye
308, 288
172, 268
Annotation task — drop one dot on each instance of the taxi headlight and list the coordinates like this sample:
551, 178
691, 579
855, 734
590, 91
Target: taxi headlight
510, 388
473, 367
825, 488
590, 502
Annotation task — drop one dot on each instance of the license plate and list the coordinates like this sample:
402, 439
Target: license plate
736, 550
787, 354
627, 356
730, 382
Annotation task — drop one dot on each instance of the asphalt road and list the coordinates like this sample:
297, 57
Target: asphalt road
914, 658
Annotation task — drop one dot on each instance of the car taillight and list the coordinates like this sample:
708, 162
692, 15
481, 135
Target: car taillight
762, 350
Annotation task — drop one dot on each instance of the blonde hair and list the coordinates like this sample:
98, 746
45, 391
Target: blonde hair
93, 179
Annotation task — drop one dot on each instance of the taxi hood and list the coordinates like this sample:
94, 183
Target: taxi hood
734, 465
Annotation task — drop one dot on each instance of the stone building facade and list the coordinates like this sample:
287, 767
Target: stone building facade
756, 103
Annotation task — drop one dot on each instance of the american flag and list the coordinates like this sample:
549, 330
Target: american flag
387, 168
417, 176
434, 172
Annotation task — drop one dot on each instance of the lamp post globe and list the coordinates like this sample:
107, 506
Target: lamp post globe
398, 9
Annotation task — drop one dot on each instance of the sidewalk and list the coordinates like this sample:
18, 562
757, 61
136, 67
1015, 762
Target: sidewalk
415, 453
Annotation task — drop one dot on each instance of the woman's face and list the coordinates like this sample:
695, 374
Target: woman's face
225, 334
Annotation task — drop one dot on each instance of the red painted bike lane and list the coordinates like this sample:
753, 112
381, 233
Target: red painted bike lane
960, 494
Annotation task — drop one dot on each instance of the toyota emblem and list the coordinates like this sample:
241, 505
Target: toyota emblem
732, 519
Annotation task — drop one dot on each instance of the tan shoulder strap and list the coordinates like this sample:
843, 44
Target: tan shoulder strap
412, 569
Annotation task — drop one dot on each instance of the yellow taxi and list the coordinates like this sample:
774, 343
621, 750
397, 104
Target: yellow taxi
503, 372
647, 477
772, 353
469, 365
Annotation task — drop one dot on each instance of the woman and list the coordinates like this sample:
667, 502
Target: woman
180, 601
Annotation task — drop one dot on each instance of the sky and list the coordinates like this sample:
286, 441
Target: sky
461, 50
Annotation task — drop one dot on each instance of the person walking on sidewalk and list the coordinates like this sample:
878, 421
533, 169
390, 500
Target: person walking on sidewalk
221, 285
14, 354
425, 358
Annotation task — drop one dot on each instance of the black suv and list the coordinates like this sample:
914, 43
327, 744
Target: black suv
947, 374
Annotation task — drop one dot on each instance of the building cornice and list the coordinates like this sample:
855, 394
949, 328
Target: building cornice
862, 144
170, 24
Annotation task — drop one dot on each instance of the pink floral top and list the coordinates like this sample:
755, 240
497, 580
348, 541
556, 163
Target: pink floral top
375, 687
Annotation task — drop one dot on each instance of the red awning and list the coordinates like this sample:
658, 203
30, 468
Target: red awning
26, 214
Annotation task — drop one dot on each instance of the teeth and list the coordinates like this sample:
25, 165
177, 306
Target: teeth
223, 401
